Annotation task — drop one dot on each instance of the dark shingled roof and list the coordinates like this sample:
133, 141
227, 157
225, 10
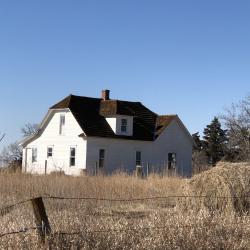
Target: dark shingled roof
162, 122
90, 113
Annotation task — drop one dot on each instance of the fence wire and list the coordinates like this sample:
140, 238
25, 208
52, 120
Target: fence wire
8, 208
22, 230
143, 198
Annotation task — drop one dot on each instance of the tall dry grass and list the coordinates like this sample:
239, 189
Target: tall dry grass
14, 186
225, 187
172, 223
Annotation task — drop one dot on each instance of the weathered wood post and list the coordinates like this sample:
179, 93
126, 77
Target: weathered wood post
96, 168
25, 160
147, 169
41, 218
139, 172
45, 166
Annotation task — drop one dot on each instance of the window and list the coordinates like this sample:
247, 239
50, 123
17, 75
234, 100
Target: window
72, 160
49, 152
124, 124
101, 158
62, 123
171, 160
34, 154
138, 158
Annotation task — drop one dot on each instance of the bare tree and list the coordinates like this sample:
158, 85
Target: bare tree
29, 129
11, 155
237, 121
1, 136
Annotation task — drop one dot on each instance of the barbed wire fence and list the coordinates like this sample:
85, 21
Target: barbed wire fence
43, 228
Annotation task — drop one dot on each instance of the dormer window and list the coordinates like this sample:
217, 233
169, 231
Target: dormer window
121, 124
124, 124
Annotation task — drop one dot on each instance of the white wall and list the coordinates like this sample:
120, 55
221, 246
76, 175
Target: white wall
120, 154
175, 139
61, 147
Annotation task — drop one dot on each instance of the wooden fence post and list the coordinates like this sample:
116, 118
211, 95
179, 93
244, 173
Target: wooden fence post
139, 172
147, 169
41, 217
45, 170
96, 168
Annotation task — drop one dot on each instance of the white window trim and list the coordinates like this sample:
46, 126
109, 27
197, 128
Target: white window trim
72, 147
62, 124
51, 152
34, 149
124, 126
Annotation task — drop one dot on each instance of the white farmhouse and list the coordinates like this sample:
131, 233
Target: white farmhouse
83, 134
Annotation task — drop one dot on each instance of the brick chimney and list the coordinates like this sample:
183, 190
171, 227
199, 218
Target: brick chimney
105, 94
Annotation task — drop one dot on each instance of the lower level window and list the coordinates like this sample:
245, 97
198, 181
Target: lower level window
34, 154
171, 160
101, 158
138, 158
49, 152
72, 160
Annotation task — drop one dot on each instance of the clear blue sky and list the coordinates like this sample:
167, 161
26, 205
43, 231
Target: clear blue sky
186, 57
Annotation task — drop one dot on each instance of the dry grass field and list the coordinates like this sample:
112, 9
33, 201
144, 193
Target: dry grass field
209, 211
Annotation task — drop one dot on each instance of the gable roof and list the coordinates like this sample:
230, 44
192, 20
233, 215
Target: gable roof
162, 122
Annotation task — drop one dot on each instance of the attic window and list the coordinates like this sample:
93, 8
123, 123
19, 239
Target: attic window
124, 124
62, 124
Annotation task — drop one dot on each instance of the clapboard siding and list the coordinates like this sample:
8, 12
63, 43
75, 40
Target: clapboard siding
61, 147
174, 139
120, 154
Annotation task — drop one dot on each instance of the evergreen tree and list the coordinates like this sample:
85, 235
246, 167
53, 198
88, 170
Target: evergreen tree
198, 144
215, 139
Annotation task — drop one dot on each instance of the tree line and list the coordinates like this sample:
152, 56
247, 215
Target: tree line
11, 155
226, 138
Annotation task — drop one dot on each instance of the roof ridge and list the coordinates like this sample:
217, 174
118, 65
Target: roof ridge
87, 97
66, 100
170, 115
126, 101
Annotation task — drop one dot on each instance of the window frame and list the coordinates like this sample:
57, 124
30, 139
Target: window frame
124, 126
72, 157
50, 156
138, 161
34, 155
62, 124
101, 159
172, 161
